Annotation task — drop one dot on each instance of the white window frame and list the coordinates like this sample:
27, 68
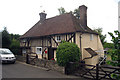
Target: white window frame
37, 50
58, 38
91, 37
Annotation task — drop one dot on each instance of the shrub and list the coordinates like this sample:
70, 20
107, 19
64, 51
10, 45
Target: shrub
15, 47
67, 52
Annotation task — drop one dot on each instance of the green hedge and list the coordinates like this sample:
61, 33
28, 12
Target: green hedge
67, 52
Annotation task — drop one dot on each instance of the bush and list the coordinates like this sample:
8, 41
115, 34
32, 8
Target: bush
15, 47
67, 52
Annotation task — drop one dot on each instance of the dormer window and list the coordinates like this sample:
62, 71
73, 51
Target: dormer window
58, 38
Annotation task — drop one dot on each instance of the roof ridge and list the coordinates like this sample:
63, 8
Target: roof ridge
64, 23
57, 16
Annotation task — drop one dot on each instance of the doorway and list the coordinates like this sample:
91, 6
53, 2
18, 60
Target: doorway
50, 53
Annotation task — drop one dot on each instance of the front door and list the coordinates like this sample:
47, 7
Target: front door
50, 53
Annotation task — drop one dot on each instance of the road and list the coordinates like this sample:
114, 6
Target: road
22, 70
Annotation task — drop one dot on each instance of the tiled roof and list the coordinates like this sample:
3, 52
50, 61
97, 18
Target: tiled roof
65, 23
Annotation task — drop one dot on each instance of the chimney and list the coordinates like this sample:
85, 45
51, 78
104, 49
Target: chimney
83, 15
42, 16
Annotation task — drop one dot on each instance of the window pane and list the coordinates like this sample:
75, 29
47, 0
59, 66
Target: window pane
91, 36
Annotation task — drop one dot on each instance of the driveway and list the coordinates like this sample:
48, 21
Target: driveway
22, 70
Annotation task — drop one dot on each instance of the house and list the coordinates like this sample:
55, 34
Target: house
45, 36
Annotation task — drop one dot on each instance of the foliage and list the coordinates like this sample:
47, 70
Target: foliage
14, 36
10, 41
15, 46
61, 10
115, 76
109, 45
67, 52
115, 52
5, 39
76, 13
102, 37
114, 38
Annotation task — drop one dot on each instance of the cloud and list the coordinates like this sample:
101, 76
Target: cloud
20, 15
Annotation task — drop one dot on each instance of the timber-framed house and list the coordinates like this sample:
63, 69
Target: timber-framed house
47, 34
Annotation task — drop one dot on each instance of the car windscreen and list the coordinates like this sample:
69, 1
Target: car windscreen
5, 52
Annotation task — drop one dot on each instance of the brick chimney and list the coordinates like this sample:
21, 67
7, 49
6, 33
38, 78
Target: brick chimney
83, 15
42, 16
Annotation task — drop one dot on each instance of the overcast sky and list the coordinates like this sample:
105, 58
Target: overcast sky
20, 15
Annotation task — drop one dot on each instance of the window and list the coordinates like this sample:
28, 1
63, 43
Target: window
91, 37
24, 51
24, 40
39, 50
58, 38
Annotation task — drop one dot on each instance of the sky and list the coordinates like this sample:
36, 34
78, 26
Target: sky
20, 15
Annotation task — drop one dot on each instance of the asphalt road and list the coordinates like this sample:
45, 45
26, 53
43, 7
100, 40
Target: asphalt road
22, 70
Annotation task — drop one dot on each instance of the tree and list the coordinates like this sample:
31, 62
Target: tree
115, 52
15, 46
102, 37
76, 13
5, 39
109, 45
10, 41
67, 52
61, 10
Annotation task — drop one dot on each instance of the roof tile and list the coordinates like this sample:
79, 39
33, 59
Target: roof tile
65, 23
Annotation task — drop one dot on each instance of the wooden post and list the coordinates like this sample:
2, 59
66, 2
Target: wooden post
66, 69
27, 59
97, 71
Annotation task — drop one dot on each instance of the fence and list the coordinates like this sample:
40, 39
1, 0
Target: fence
92, 72
31, 58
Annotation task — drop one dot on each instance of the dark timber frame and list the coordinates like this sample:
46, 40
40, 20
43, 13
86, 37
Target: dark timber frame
50, 43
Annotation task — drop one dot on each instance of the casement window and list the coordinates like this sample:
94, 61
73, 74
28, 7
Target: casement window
39, 50
58, 38
91, 37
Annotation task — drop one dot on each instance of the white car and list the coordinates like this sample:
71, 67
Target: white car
6, 56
